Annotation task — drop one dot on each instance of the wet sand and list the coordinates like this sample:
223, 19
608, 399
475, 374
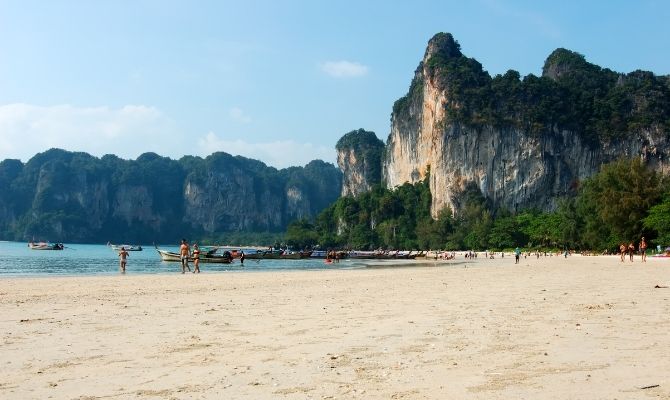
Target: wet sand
553, 328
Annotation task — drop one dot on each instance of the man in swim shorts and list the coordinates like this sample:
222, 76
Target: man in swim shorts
184, 252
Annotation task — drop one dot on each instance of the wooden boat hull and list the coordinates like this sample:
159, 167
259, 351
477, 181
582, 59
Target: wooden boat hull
276, 256
253, 256
170, 256
117, 247
291, 256
46, 246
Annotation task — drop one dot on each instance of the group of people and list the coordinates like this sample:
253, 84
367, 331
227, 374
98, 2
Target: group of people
333, 256
184, 253
630, 250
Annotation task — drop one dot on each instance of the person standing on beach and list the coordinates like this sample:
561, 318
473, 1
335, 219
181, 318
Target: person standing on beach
631, 250
622, 250
184, 254
517, 254
123, 254
242, 257
643, 250
196, 258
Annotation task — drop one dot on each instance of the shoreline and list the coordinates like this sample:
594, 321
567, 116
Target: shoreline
344, 265
392, 264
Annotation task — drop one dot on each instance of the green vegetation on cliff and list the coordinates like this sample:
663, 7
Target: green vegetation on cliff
571, 94
66, 196
379, 217
414, 96
621, 203
368, 148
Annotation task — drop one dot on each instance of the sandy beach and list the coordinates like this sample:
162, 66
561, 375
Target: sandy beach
553, 328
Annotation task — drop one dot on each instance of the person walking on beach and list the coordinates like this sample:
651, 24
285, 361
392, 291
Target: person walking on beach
517, 254
242, 257
184, 254
643, 249
196, 258
123, 255
622, 250
631, 250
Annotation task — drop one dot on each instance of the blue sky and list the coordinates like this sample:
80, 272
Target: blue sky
279, 81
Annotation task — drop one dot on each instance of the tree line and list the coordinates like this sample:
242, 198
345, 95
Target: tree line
623, 202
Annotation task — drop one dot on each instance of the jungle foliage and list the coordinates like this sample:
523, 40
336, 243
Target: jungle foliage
624, 201
572, 94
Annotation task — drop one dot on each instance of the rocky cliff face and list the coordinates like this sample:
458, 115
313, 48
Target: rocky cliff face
228, 197
359, 155
66, 196
517, 163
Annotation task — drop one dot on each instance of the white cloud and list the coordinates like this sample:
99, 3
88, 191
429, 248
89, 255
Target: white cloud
127, 131
344, 69
238, 115
279, 153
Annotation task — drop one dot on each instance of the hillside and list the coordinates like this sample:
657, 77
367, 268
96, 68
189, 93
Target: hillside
65, 196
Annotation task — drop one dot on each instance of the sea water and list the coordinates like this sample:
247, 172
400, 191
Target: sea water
16, 259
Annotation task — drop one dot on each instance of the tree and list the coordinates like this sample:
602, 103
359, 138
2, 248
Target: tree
658, 220
614, 202
301, 234
504, 233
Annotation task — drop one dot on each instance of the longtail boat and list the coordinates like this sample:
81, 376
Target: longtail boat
208, 257
127, 247
45, 246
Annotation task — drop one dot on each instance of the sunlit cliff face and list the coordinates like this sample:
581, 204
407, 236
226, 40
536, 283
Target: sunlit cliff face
511, 167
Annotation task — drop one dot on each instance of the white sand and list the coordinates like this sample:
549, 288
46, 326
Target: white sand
581, 328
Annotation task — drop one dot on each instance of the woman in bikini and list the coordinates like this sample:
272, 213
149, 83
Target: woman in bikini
196, 258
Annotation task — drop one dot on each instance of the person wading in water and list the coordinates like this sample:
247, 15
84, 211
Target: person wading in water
123, 254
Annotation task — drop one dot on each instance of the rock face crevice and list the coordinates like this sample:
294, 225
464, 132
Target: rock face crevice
514, 166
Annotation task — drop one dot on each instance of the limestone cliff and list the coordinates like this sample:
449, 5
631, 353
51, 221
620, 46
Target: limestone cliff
64, 196
359, 155
524, 143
